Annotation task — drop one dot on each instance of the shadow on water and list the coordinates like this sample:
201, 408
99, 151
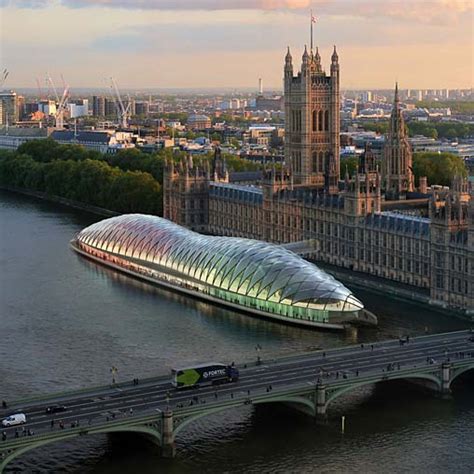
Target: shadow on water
222, 319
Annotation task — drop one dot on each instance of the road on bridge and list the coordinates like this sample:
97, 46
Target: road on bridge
128, 400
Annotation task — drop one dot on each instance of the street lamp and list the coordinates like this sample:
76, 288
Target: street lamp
258, 348
113, 371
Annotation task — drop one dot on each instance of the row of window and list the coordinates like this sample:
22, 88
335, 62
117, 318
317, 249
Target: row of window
319, 122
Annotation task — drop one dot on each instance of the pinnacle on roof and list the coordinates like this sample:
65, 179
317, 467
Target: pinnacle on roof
317, 56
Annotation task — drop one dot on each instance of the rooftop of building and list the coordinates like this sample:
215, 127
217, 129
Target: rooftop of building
81, 136
24, 132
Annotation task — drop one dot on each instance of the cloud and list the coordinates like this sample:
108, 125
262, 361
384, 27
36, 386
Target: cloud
192, 4
424, 11
25, 3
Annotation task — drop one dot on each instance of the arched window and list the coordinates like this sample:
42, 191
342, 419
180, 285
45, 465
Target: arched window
321, 162
315, 121
315, 159
320, 121
326, 120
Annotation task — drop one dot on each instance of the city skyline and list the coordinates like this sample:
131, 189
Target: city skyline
155, 44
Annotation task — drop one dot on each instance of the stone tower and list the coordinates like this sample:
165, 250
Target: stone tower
398, 173
186, 193
452, 255
312, 121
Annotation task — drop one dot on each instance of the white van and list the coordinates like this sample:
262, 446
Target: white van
12, 420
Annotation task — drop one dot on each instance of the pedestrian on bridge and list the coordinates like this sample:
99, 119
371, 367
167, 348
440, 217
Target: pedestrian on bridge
4, 404
52, 423
131, 411
4, 435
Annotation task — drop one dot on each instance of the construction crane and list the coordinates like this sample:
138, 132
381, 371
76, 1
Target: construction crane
122, 111
3, 77
61, 103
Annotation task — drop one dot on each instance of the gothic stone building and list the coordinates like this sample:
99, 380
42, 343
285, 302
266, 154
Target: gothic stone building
348, 222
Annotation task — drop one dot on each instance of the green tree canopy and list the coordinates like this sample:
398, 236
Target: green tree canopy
351, 163
439, 168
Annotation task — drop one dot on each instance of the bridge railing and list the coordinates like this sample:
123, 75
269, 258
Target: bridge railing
107, 389
94, 391
93, 428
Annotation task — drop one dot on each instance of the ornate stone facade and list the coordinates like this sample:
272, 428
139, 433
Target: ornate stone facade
398, 159
348, 223
312, 121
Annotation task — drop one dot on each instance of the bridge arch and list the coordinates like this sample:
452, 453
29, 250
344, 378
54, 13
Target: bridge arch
460, 371
305, 403
151, 433
423, 377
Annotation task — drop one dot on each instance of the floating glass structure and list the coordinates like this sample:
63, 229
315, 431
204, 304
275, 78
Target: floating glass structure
250, 275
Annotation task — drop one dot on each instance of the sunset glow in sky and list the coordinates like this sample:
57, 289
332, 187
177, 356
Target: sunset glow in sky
231, 43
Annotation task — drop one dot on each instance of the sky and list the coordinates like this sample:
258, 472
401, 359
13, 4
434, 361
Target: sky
232, 43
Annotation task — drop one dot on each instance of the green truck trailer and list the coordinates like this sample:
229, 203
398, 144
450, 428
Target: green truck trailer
204, 374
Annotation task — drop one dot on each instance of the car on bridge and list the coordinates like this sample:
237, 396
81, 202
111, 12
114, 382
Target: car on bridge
55, 409
12, 420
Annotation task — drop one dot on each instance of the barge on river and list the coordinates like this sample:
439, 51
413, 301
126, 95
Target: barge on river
255, 277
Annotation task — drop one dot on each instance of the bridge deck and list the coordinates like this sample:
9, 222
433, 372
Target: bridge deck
109, 408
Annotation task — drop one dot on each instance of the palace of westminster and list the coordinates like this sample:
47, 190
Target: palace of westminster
374, 222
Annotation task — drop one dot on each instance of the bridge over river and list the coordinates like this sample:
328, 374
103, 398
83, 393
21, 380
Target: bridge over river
308, 382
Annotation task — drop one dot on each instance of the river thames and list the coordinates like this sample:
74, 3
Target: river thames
66, 321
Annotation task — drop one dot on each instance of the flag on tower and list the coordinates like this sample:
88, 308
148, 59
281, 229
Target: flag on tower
313, 19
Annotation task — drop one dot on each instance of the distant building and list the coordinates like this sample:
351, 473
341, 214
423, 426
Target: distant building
9, 108
367, 96
269, 103
199, 122
103, 107
104, 142
12, 137
142, 108
79, 108
47, 107
98, 106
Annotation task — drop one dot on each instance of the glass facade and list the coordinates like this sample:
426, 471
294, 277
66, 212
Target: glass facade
250, 273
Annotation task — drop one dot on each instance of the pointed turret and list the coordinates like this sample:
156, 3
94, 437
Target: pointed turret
398, 175
288, 58
317, 61
288, 70
305, 57
317, 56
334, 57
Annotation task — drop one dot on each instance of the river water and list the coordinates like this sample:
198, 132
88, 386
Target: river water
64, 321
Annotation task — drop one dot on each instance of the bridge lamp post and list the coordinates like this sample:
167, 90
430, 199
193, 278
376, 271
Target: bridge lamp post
113, 371
258, 348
